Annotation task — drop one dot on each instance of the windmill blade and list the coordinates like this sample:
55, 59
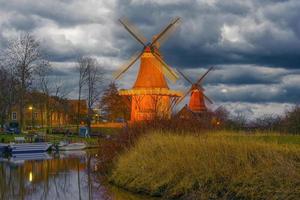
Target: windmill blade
127, 65
182, 97
168, 71
166, 32
204, 75
185, 77
208, 99
133, 30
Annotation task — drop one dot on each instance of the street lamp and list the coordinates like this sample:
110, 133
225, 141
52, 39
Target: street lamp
31, 109
97, 118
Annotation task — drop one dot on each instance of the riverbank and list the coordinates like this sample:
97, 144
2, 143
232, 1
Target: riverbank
98, 133
7, 138
211, 166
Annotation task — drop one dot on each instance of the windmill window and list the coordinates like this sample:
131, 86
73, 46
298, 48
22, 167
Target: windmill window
14, 116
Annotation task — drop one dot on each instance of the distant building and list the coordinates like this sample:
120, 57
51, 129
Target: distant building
41, 111
188, 114
73, 108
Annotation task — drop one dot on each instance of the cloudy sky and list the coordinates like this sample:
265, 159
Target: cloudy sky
254, 45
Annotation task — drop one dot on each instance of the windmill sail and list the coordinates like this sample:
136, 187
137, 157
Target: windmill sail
133, 30
168, 71
165, 69
167, 31
127, 65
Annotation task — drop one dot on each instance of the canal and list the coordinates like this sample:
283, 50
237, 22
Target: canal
66, 175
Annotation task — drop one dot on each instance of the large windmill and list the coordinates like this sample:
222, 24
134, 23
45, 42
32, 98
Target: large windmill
197, 98
150, 95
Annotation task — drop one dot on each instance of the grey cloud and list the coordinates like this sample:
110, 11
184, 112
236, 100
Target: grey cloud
64, 13
199, 41
254, 44
254, 110
240, 75
257, 93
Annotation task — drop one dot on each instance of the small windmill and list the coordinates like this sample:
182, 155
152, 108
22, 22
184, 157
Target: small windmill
197, 99
150, 94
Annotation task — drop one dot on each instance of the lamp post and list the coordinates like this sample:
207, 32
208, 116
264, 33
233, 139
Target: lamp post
97, 118
31, 109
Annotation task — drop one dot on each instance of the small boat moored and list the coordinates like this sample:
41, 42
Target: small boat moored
73, 146
38, 147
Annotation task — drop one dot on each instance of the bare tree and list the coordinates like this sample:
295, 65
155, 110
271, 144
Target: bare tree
291, 121
43, 83
42, 72
53, 89
60, 93
94, 80
267, 122
22, 55
82, 63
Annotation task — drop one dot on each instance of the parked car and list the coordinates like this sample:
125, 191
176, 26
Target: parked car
12, 128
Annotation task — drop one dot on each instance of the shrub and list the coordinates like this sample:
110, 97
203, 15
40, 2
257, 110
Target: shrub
291, 121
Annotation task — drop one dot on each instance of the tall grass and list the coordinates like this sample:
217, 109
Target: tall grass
209, 167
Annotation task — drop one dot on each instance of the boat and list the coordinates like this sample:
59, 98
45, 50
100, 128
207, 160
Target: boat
62, 143
73, 146
3, 147
37, 147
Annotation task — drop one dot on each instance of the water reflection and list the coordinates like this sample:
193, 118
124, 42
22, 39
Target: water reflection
68, 175
44, 176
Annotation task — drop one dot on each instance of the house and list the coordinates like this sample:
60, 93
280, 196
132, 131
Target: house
73, 110
188, 114
41, 110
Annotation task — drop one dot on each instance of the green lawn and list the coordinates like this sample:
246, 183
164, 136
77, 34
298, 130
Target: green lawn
6, 138
54, 138
103, 131
106, 130
262, 137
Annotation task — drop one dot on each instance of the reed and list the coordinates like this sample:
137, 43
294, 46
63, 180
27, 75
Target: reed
209, 166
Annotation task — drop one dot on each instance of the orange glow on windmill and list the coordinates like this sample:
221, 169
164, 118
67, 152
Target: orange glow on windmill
150, 95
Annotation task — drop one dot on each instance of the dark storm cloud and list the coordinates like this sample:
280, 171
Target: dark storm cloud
254, 45
21, 22
286, 91
66, 29
240, 75
63, 12
267, 32
207, 34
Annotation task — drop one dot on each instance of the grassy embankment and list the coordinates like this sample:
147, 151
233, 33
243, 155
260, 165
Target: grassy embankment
6, 138
212, 166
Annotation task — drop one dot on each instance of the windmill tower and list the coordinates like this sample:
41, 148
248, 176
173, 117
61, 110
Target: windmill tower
197, 98
150, 95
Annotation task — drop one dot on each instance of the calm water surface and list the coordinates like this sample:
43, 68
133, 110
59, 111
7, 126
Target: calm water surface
67, 175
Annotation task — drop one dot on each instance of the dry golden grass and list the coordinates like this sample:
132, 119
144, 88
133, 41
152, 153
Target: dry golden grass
210, 166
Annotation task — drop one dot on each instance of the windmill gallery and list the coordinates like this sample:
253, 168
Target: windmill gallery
150, 97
